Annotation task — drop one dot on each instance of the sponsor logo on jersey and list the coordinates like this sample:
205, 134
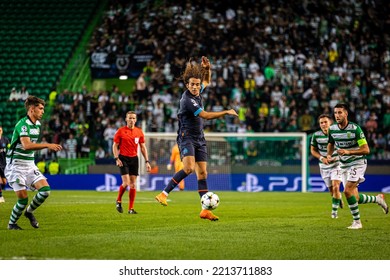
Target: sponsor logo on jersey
34, 131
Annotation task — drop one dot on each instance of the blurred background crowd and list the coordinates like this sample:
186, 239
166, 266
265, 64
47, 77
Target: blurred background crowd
279, 64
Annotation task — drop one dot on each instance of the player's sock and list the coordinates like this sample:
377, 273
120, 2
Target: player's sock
132, 193
335, 205
363, 198
354, 207
18, 210
121, 191
39, 198
202, 187
175, 181
2, 187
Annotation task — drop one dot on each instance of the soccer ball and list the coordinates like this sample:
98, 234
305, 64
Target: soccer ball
209, 201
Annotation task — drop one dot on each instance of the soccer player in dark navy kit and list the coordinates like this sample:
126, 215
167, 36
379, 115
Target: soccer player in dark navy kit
190, 139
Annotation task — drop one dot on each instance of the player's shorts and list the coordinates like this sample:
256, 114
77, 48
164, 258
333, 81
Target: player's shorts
130, 165
331, 174
21, 175
192, 146
354, 173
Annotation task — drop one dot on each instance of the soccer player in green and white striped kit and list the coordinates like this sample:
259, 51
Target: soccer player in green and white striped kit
352, 148
21, 171
330, 171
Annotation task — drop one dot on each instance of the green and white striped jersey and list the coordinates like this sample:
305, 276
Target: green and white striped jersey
24, 128
320, 140
349, 138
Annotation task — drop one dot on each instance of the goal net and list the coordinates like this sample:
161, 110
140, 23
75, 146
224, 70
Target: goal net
240, 162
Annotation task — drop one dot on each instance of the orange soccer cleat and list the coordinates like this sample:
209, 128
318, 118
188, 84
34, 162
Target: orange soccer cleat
207, 214
162, 198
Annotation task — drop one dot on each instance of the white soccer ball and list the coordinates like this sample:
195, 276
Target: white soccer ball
209, 201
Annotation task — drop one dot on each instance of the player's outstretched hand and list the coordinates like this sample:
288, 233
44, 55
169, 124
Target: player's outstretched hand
232, 112
206, 63
55, 147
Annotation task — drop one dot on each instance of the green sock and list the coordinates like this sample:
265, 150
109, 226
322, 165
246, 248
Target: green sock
354, 207
18, 210
335, 204
39, 198
363, 198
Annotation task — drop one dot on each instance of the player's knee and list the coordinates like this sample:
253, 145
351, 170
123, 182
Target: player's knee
202, 174
45, 191
189, 170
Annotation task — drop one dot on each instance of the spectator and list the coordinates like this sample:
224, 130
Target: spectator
71, 146
14, 95
100, 153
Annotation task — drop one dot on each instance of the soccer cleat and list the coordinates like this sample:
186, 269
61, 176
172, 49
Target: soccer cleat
34, 223
162, 198
207, 214
132, 211
119, 207
356, 224
2, 200
14, 227
341, 204
382, 202
334, 216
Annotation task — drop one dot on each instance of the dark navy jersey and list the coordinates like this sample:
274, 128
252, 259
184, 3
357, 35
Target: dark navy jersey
4, 142
189, 121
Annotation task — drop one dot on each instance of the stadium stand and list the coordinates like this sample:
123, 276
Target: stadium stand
37, 40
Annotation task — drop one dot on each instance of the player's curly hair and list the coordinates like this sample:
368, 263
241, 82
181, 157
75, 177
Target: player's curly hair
193, 70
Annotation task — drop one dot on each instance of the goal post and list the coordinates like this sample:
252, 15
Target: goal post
237, 161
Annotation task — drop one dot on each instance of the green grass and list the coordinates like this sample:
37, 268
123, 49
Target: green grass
252, 226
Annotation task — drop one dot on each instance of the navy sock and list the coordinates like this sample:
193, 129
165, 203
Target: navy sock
202, 187
175, 180
2, 186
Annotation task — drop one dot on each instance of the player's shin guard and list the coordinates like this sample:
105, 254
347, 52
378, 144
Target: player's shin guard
39, 198
175, 180
202, 187
354, 207
18, 210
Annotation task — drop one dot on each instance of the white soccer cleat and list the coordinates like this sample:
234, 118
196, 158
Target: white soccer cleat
356, 224
2, 200
334, 216
380, 198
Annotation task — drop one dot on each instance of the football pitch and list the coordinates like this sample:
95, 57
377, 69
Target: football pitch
84, 225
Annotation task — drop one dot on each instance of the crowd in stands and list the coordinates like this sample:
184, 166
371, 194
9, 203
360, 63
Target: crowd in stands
18, 95
279, 64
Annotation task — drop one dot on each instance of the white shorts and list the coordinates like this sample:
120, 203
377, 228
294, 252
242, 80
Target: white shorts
331, 174
21, 175
354, 173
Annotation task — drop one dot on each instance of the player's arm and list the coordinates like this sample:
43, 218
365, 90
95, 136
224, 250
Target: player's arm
144, 152
363, 146
214, 115
314, 152
206, 65
28, 145
330, 150
172, 159
115, 152
362, 150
